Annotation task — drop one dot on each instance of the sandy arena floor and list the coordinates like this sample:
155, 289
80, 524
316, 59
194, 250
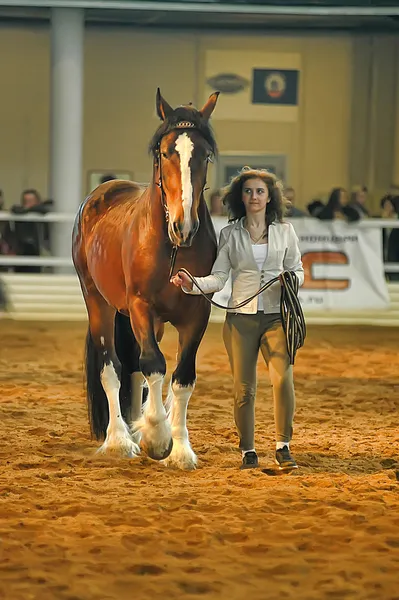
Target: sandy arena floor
74, 527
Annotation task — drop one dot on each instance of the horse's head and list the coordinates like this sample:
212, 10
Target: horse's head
182, 148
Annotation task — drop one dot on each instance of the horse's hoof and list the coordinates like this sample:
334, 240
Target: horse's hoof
119, 448
156, 437
155, 454
182, 457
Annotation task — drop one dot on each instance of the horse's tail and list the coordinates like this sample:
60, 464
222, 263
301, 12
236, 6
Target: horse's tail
97, 402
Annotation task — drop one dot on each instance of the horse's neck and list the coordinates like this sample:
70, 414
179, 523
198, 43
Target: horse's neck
203, 207
203, 212
154, 200
152, 210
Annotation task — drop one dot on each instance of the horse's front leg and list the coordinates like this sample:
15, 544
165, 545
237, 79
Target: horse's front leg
181, 389
156, 437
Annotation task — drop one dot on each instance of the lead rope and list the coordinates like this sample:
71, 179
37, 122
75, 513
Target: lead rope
292, 318
173, 255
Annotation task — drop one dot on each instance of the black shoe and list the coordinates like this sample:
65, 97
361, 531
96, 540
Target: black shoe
250, 460
284, 459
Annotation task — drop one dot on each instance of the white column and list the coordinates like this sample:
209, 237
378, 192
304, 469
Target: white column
67, 67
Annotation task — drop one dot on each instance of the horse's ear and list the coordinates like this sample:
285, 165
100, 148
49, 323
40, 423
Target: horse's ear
164, 109
209, 105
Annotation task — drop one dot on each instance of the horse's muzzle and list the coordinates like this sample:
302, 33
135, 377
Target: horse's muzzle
178, 237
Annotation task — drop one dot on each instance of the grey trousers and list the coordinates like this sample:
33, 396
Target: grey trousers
243, 336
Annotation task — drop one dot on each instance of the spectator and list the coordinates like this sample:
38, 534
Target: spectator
292, 211
3, 298
387, 207
358, 201
5, 248
25, 238
315, 207
337, 207
216, 207
390, 236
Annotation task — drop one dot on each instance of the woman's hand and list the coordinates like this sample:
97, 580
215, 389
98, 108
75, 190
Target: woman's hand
182, 280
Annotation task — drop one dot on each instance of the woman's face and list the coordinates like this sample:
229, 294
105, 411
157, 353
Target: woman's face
255, 195
388, 208
29, 200
361, 197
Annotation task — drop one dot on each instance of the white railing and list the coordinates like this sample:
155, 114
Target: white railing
54, 261
58, 297
53, 297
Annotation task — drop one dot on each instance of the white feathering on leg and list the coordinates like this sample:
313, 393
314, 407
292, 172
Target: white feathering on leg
182, 455
137, 385
118, 438
154, 425
169, 399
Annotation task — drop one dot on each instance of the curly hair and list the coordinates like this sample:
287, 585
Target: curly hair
232, 195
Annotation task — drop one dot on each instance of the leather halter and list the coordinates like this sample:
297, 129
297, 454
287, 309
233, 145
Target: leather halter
179, 125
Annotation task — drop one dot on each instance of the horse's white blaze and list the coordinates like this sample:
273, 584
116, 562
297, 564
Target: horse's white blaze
182, 455
184, 147
118, 435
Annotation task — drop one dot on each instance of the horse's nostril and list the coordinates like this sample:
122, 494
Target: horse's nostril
176, 228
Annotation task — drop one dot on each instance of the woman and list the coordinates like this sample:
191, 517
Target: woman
256, 247
337, 208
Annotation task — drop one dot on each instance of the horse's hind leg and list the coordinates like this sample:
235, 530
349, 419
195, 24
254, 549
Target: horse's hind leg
103, 371
128, 352
156, 438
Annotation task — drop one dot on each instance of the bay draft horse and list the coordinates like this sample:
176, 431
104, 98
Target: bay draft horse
124, 238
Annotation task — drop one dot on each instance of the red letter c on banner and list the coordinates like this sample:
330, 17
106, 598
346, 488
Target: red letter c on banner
324, 257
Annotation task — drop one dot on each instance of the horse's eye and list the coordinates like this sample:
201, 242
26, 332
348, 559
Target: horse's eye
209, 158
164, 155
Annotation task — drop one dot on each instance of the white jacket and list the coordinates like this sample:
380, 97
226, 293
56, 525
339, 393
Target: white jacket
235, 254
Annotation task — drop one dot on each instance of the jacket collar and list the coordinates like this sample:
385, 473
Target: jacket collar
240, 223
